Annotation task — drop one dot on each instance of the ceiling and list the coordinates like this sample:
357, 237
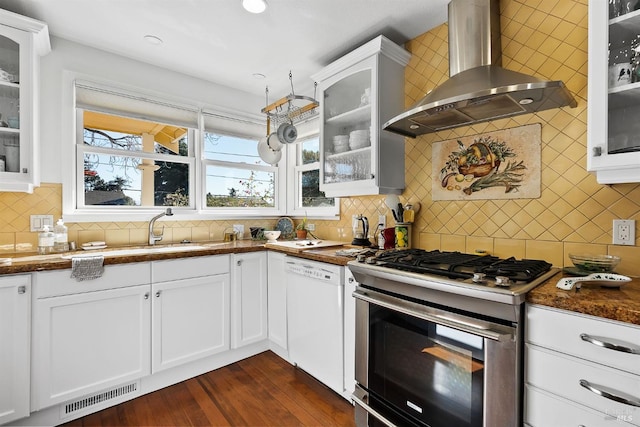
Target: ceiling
217, 40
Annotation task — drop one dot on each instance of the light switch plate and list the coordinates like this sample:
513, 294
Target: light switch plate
39, 221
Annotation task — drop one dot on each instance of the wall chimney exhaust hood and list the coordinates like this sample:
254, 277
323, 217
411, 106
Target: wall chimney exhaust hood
478, 89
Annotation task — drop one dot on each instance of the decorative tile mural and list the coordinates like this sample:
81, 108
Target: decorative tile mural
504, 164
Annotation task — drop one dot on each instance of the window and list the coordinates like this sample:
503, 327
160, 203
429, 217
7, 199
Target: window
131, 162
132, 152
304, 195
235, 178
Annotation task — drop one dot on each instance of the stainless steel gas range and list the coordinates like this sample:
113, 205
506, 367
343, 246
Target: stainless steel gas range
439, 338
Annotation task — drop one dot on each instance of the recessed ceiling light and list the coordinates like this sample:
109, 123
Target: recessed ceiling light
259, 76
254, 6
153, 39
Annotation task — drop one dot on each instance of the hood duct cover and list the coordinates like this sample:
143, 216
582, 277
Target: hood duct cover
479, 89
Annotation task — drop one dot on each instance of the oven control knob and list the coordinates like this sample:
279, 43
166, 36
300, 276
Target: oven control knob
503, 281
478, 277
370, 260
361, 257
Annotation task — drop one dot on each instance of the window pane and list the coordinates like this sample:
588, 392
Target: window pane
234, 187
124, 180
310, 151
311, 194
123, 133
231, 149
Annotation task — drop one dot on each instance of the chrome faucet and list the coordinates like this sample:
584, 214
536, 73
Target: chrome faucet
153, 238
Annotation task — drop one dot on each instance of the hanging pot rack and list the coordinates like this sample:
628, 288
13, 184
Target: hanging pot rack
289, 109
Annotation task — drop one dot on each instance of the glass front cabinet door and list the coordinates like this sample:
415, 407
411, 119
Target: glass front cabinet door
358, 94
613, 131
22, 42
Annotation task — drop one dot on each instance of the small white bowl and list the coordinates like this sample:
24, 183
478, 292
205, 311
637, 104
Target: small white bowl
272, 235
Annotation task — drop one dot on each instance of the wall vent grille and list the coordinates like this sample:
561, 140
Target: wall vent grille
96, 399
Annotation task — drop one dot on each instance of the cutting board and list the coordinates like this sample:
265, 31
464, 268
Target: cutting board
298, 246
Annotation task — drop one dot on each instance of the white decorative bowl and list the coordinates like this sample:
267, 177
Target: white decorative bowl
272, 235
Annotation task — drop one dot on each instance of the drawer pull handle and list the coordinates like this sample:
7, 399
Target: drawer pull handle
611, 394
611, 344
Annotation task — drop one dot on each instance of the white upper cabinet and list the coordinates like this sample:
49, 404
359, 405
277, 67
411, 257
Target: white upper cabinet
22, 42
613, 131
358, 94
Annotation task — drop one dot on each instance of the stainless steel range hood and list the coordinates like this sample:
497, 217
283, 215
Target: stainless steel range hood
478, 89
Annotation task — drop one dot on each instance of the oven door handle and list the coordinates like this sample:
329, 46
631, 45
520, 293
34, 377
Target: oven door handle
443, 318
371, 411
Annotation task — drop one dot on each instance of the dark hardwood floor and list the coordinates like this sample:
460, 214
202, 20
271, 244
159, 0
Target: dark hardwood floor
262, 390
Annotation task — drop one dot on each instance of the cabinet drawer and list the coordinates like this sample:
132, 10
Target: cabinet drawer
543, 409
186, 268
59, 282
561, 330
561, 375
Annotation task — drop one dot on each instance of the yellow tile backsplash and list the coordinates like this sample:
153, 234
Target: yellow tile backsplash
547, 38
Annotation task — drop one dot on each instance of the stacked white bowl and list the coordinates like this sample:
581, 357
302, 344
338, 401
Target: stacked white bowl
341, 143
359, 139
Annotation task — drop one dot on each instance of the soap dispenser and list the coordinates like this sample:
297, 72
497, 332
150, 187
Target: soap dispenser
46, 241
61, 237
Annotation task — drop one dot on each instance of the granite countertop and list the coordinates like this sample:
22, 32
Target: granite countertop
621, 304
29, 262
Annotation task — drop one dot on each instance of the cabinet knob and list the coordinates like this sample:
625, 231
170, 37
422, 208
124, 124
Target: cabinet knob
351, 280
146, 296
158, 294
239, 262
597, 151
22, 289
373, 176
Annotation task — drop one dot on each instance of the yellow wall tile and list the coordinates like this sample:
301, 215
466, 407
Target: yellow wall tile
453, 243
629, 259
475, 244
429, 242
506, 248
551, 252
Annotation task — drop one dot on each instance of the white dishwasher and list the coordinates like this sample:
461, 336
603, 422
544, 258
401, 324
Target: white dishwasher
315, 306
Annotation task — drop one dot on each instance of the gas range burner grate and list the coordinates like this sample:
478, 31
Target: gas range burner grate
457, 265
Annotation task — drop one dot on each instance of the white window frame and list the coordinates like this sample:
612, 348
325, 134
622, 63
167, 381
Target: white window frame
82, 149
239, 125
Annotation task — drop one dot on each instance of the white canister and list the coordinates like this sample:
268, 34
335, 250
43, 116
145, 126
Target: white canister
619, 74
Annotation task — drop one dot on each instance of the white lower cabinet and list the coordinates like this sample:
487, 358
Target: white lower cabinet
277, 302
248, 298
586, 367
89, 341
15, 328
190, 310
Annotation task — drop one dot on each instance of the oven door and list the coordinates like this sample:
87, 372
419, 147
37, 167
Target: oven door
422, 366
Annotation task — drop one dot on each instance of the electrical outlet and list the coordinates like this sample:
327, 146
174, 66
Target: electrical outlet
624, 232
239, 229
382, 221
311, 227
